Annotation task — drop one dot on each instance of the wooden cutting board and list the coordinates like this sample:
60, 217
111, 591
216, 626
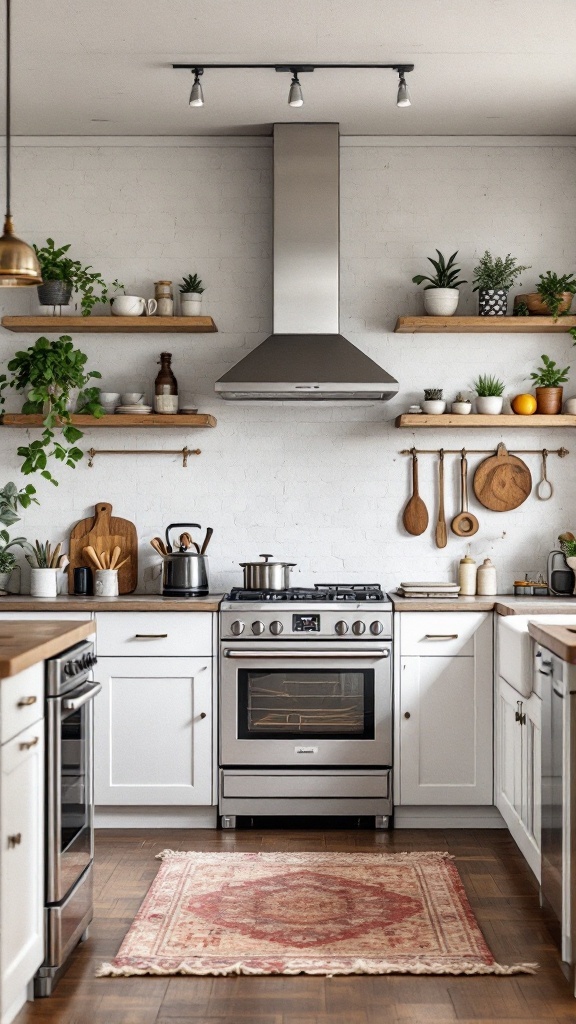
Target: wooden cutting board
104, 532
502, 482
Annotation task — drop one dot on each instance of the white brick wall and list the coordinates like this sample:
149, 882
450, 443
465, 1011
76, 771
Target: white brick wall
321, 486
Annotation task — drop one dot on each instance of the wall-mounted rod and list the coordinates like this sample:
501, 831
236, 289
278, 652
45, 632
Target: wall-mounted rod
560, 452
183, 452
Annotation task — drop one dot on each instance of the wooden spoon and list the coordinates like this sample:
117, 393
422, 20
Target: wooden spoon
441, 534
415, 517
115, 556
156, 544
206, 541
465, 523
91, 554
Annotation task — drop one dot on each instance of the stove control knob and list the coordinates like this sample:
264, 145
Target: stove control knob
237, 627
376, 628
358, 627
67, 669
276, 628
341, 627
258, 627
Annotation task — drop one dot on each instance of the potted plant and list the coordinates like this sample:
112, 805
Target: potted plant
568, 546
433, 403
553, 295
493, 278
61, 275
461, 405
11, 500
45, 563
441, 293
548, 380
49, 371
489, 391
191, 295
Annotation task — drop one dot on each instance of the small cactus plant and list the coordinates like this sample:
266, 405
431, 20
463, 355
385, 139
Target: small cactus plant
461, 397
433, 394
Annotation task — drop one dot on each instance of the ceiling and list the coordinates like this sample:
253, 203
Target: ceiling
483, 67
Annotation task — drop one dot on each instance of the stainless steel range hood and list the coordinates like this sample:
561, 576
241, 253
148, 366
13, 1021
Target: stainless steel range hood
306, 358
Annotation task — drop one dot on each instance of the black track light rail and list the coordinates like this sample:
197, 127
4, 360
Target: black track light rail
199, 67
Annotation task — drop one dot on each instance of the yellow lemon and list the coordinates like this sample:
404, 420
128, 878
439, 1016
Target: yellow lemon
524, 405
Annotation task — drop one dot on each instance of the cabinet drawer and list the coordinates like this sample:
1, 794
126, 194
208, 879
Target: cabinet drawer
170, 634
21, 701
439, 633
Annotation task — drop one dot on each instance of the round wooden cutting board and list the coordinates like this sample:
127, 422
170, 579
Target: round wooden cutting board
502, 482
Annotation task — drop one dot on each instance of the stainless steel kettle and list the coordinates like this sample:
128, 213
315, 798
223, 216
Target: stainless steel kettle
185, 570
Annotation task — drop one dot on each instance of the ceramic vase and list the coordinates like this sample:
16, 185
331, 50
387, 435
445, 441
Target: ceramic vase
490, 405
441, 301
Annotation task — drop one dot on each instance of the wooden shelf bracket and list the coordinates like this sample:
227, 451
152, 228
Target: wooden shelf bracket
184, 452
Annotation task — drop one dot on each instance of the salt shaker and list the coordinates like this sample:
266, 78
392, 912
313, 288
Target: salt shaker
467, 576
486, 578
164, 298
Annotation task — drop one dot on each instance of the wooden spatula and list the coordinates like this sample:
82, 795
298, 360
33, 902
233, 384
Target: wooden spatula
415, 517
441, 533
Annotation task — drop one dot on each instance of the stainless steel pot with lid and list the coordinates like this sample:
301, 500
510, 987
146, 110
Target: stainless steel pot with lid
184, 570
267, 575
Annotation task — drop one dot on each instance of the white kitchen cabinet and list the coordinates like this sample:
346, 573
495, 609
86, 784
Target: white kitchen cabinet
153, 732
518, 765
444, 706
21, 859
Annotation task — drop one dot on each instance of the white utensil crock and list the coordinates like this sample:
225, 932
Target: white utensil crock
106, 582
43, 582
441, 301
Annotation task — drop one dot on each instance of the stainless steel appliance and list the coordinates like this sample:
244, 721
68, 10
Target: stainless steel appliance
306, 703
306, 358
69, 826
267, 575
560, 575
558, 884
184, 569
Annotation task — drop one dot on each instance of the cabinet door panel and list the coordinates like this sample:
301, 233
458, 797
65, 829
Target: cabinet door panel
153, 732
446, 742
508, 753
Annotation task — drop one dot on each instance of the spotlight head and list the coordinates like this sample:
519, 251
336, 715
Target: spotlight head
197, 96
295, 97
403, 97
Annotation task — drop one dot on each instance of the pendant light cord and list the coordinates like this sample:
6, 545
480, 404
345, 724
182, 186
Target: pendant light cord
8, 105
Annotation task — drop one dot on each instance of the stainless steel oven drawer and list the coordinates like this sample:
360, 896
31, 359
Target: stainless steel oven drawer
307, 785
66, 921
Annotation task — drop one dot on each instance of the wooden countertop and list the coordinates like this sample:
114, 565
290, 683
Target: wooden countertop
502, 604
561, 640
23, 644
125, 603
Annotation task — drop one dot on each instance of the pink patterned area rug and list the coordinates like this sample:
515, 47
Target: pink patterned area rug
306, 913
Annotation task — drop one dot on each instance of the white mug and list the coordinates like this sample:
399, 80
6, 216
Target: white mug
106, 582
133, 305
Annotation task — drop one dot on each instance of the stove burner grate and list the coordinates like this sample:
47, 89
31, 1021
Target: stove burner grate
320, 592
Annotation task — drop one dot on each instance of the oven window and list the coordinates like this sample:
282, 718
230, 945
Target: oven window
288, 704
73, 780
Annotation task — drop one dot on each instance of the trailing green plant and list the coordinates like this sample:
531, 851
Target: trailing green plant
495, 273
49, 370
11, 500
57, 266
550, 288
488, 386
191, 283
521, 309
7, 560
433, 394
549, 375
43, 556
446, 275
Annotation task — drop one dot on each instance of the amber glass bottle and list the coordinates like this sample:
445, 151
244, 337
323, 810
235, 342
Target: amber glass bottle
166, 387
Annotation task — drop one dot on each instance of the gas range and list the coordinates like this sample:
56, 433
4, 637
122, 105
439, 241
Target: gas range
334, 611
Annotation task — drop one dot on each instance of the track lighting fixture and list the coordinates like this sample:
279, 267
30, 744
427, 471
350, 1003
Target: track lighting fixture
295, 97
197, 96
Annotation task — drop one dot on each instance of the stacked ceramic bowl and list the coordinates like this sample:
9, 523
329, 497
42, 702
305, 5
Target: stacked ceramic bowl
129, 404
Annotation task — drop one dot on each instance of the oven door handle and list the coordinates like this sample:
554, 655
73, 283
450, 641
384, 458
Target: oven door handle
74, 703
334, 655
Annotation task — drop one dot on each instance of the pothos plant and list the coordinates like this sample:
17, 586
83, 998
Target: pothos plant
49, 371
11, 501
56, 265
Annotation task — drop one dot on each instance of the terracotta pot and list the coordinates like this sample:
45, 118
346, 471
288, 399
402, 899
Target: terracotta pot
539, 308
549, 401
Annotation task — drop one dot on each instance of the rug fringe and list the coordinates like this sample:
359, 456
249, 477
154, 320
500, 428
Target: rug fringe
110, 970
294, 857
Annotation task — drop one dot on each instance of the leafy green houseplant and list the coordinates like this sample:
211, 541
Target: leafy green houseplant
49, 371
441, 293
61, 275
493, 277
548, 380
568, 545
11, 501
191, 295
489, 390
555, 294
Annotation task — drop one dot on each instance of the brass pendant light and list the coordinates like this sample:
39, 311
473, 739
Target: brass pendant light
18, 263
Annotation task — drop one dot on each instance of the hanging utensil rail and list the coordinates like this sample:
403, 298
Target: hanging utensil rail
183, 452
560, 452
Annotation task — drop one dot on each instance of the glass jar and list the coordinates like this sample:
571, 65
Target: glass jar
166, 387
164, 298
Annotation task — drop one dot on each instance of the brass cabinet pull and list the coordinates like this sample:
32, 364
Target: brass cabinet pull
30, 743
150, 636
14, 840
203, 714
406, 714
441, 636
25, 702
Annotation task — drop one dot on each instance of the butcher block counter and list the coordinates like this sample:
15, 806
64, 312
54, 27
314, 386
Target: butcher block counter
561, 640
502, 604
125, 603
23, 644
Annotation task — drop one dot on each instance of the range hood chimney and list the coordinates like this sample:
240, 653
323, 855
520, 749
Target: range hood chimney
306, 358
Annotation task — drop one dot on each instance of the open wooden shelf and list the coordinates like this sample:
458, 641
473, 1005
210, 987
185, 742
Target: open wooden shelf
482, 324
110, 324
476, 420
201, 419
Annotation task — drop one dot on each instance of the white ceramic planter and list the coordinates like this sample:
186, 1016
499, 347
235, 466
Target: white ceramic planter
5, 579
570, 406
43, 582
435, 408
461, 408
572, 564
441, 301
489, 406
106, 583
190, 304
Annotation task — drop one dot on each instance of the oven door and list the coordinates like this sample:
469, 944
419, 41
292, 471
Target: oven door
69, 789
300, 704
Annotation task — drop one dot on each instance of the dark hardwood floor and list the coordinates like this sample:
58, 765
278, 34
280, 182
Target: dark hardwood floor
500, 887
